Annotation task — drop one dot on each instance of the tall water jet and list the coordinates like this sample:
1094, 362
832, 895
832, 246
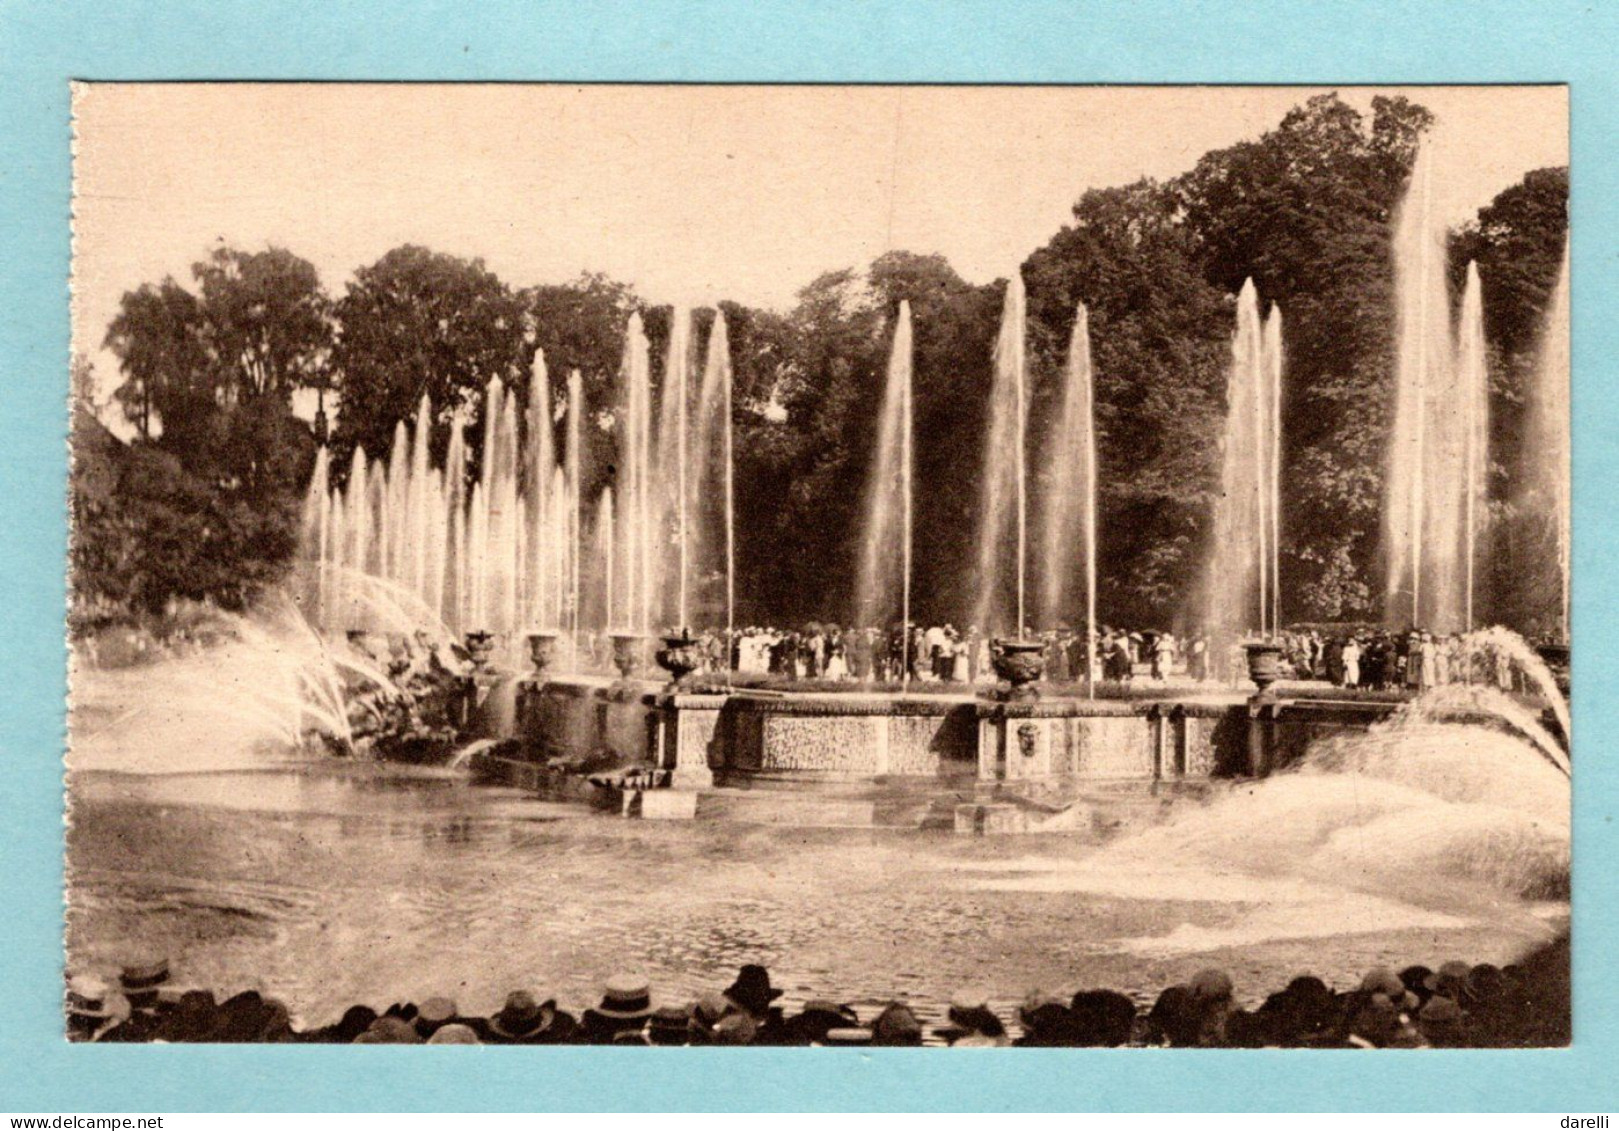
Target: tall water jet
540, 590
1474, 406
1068, 510
418, 519
1003, 510
391, 508
881, 587
635, 478
315, 530
1275, 367
573, 489
454, 581
674, 464
728, 423
706, 474
1549, 478
1437, 454
356, 536
1239, 594
604, 554
407, 545
437, 526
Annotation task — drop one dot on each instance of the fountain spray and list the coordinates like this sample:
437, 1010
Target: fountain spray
573, 488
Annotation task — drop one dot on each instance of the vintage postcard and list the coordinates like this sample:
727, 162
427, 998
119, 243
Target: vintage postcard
820, 566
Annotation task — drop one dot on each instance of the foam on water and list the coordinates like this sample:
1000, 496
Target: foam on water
251, 702
1414, 825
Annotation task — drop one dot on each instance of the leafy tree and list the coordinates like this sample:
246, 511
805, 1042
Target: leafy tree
267, 323
1159, 337
210, 376
157, 336
954, 327
1518, 242
418, 321
580, 325
1306, 211
204, 503
82, 382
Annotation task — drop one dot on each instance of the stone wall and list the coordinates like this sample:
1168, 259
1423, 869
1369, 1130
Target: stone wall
872, 736
825, 743
933, 744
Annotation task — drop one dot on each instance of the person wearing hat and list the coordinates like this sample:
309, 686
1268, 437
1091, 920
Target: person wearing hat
752, 992
753, 995
249, 1018
1382, 980
389, 1030
434, 1014
1174, 1019
1211, 991
1046, 1022
669, 1025
625, 1006
1485, 982
706, 1012
1442, 1022
525, 1020
1304, 1014
355, 1020
144, 983
896, 1027
1450, 980
1256, 1030
1378, 1022
1102, 1018
1415, 979
142, 979
193, 1020
972, 1023
735, 1028
276, 1028
819, 1017
454, 1033
93, 1008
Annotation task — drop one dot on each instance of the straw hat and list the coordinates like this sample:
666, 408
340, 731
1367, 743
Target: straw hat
626, 997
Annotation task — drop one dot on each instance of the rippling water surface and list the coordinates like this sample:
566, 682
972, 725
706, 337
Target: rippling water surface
329, 883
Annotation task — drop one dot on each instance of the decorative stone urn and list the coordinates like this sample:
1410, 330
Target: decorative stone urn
629, 653
1264, 662
480, 647
680, 656
542, 650
1019, 663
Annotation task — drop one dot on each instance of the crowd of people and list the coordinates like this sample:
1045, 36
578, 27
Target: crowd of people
938, 653
1412, 661
1455, 1005
1368, 659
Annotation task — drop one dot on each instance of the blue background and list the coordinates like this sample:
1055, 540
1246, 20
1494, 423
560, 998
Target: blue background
44, 44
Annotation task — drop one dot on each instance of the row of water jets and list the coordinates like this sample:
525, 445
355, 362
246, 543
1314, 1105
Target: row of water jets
404, 543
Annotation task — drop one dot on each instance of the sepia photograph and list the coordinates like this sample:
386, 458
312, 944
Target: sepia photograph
819, 566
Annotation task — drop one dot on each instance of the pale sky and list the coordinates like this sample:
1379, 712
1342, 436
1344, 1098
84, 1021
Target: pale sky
692, 194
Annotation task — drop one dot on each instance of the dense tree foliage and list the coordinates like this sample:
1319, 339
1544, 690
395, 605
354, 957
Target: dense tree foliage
1305, 210
1159, 334
416, 322
1518, 242
205, 503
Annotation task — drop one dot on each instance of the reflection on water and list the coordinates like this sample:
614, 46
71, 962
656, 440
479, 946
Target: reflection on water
332, 883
